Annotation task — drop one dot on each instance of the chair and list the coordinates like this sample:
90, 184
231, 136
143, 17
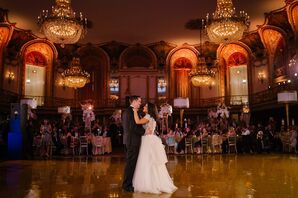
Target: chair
188, 144
232, 141
170, 144
73, 145
289, 143
204, 144
83, 144
216, 143
53, 148
98, 144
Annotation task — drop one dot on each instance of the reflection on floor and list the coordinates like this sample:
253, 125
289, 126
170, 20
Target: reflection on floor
195, 176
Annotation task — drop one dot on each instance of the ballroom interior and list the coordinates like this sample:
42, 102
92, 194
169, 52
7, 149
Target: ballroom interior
61, 64
250, 71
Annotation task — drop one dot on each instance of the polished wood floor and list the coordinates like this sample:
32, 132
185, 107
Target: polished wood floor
272, 175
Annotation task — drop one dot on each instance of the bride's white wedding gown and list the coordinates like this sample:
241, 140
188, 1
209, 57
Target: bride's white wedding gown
151, 174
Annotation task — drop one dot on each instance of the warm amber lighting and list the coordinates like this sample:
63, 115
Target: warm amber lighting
225, 26
162, 83
202, 75
62, 26
261, 77
10, 76
75, 77
60, 82
161, 86
292, 61
114, 85
114, 97
245, 109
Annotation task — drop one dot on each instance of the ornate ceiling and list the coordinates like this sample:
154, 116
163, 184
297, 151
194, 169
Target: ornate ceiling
134, 21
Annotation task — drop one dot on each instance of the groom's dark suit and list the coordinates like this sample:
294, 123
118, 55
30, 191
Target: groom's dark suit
133, 143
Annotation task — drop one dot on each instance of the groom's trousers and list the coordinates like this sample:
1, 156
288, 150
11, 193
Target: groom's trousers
131, 161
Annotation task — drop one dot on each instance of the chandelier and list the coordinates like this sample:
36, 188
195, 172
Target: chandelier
225, 26
75, 77
202, 75
62, 26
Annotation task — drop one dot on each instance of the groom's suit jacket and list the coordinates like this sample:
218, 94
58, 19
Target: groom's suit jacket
134, 131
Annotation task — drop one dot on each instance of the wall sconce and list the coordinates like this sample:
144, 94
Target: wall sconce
114, 85
10, 76
161, 85
114, 97
261, 77
211, 84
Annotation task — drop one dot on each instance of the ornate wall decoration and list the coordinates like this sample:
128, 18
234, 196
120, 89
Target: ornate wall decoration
279, 61
114, 50
236, 59
138, 57
161, 50
96, 62
35, 58
293, 16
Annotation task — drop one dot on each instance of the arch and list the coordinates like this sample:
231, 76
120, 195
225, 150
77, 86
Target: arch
180, 61
44, 53
230, 55
224, 51
5, 36
138, 56
35, 58
237, 59
270, 36
273, 38
292, 11
95, 61
186, 51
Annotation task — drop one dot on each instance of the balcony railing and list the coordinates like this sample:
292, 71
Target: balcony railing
263, 97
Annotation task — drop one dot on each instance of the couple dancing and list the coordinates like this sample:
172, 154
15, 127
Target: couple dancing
145, 169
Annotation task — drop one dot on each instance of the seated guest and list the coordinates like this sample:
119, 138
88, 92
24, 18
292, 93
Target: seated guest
181, 143
260, 142
197, 144
246, 139
231, 132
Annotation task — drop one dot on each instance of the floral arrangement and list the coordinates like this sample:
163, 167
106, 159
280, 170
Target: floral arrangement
165, 109
88, 114
222, 111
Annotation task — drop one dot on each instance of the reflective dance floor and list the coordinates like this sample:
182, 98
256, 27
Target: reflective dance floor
272, 175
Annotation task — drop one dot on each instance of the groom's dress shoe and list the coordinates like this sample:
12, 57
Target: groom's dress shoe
128, 189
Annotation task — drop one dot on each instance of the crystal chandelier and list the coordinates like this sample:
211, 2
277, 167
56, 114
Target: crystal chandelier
225, 26
202, 75
75, 77
63, 26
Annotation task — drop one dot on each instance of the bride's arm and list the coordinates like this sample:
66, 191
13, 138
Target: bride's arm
137, 119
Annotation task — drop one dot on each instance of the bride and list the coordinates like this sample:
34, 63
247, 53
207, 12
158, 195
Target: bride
151, 174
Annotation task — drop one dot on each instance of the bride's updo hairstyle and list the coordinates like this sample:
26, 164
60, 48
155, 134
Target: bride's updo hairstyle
152, 110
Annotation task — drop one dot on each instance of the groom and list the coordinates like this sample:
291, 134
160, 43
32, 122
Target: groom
133, 143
